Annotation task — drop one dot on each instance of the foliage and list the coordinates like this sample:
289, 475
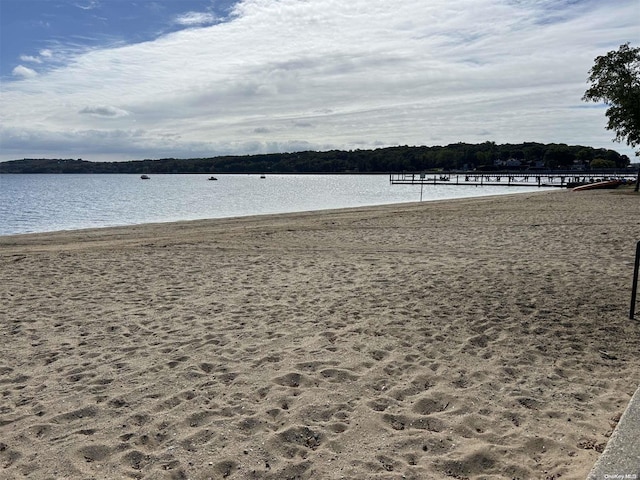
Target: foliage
602, 163
615, 80
458, 156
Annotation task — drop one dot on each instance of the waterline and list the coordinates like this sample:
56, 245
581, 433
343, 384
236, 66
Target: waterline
43, 203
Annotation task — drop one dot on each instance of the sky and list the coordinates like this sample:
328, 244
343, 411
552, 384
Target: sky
112, 80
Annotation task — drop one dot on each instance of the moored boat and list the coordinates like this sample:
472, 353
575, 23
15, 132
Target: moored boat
605, 184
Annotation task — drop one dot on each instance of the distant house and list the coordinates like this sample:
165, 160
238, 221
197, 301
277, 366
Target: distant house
511, 163
578, 166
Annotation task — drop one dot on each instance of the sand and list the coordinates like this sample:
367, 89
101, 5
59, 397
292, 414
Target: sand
482, 338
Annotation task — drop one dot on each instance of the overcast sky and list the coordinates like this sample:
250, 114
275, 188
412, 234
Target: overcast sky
124, 79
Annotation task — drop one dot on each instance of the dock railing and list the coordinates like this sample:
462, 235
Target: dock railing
522, 178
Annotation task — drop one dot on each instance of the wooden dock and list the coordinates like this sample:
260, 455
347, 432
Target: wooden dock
508, 179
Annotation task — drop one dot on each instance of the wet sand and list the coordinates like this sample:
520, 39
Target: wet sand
482, 338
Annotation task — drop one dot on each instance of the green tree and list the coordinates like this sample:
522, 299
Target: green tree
558, 156
615, 80
602, 163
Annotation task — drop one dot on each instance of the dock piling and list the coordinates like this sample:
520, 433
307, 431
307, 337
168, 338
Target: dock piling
634, 285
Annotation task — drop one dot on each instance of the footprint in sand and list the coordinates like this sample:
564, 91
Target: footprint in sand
429, 405
479, 463
195, 442
75, 415
293, 380
198, 419
225, 468
174, 363
136, 460
139, 419
297, 441
337, 375
94, 453
41, 430
8, 456
405, 422
379, 404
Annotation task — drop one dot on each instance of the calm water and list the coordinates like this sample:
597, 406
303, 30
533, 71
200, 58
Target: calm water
44, 203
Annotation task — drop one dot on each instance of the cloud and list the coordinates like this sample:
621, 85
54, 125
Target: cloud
24, 72
191, 19
107, 111
113, 144
324, 74
89, 6
29, 58
43, 56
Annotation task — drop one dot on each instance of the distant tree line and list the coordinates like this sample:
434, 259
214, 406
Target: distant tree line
458, 156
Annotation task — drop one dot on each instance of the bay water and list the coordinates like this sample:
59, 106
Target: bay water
31, 203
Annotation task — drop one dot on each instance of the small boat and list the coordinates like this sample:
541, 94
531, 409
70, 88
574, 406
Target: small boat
598, 185
263, 176
212, 178
145, 177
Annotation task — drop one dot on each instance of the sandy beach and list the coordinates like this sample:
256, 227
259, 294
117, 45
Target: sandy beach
483, 338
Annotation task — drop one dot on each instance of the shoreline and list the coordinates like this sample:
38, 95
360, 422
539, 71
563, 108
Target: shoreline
229, 199
537, 191
484, 337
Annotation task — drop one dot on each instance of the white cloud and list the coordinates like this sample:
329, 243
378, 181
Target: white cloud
24, 72
89, 6
107, 111
196, 19
29, 58
44, 55
321, 74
